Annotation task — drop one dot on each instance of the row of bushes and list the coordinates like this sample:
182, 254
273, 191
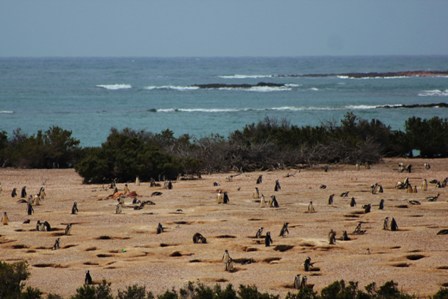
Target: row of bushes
12, 277
54, 148
268, 144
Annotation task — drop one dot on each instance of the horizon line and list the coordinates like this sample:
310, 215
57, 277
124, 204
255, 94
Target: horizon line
230, 56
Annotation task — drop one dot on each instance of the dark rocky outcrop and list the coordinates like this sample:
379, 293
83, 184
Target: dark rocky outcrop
247, 86
431, 105
375, 74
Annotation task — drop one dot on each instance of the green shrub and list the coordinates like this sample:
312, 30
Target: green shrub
11, 279
101, 291
31, 293
441, 294
430, 136
169, 295
125, 155
135, 292
251, 292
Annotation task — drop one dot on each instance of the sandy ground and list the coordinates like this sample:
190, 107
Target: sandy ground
415, 256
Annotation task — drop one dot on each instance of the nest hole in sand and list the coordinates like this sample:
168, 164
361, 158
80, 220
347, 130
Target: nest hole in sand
70, 246
195, 261
351, 216
244, 261
47, 265
103, 255
19, 246
58, 234
176, 254
225, 237
402, 206
249, 249
221, 280
271, 259
287, 286
182, 222
415, 257
401, 265
283, 248
90, 264
167, 245
91, 249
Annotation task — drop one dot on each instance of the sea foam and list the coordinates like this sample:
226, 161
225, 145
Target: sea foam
287, 87
114, 86
238, 76
172, 87
433, 93
258, 88
361, 107
247, 109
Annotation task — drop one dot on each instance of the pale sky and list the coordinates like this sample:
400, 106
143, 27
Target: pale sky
222, 28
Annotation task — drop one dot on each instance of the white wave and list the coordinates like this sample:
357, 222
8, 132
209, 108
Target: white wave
205, 110
374, 77
390, 105
6, 112
434, 93
255, 88
114, 86
292, 85
301, 108
172, 87
214, 110
314, 89
238, 76
164, 110
287, 87
361, 107
269, 88
281, 108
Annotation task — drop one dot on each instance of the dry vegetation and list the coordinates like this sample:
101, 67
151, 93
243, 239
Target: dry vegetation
125, 249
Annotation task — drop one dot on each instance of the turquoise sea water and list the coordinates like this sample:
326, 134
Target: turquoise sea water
91, 95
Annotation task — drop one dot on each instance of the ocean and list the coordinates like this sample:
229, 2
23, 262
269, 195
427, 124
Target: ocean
203, 96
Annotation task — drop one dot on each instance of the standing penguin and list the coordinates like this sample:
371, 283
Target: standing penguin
29, 207
75, 208
88, 279
23, 193
268, 240
393, 225
381, 207
277, 186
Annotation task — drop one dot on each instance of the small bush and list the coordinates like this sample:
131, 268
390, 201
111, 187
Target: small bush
11, 279
135, 292
101, 291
